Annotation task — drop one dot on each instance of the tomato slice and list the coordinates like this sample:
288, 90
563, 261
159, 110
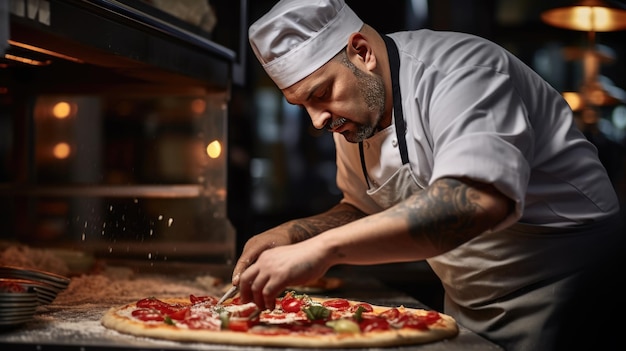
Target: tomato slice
291, 304
413, 321
431, 317
240, 325
366, 307
246, 311
180, 314
372, 323
211, 300
391, 314
148, 315
236, 301
157, 305
339, 304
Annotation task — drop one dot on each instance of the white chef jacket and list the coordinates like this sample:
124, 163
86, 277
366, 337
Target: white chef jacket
474, 110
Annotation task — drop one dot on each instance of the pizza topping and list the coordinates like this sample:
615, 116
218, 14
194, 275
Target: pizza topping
241, 324
291, 304
201, 322
317, 312
153, 303
413, 321
148, 315
179, 314
344, 326
224, 318
361, 307
373, 323
243, 311
358, 314
337, 304
209, 300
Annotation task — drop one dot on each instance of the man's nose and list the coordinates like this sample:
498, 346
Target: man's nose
319, 118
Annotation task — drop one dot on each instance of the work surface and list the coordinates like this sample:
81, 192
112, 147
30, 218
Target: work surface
77, 327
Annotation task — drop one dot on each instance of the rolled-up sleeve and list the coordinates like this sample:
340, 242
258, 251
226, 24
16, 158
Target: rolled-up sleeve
481, 130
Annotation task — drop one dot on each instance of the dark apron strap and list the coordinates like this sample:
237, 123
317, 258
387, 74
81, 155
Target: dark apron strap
394, 65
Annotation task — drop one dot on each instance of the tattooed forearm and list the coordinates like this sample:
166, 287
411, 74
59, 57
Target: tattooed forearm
447, 213
339, 215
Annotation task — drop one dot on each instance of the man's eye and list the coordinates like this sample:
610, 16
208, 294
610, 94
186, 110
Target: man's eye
323, 94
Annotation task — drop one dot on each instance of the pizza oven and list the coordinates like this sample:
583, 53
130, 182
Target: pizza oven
113, 156
114, 127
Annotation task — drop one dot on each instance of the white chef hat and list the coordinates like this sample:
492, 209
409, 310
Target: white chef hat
296, 37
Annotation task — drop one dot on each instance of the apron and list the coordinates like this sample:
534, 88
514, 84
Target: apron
515, 287
402, 183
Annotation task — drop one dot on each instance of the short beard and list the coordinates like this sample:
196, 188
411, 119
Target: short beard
372, 90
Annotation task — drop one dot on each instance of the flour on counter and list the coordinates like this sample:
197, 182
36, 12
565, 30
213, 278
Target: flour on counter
119, 285
32, 258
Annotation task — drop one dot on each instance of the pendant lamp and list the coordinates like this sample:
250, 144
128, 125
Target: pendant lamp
587, 15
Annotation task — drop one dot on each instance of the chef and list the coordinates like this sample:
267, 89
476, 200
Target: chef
450, 150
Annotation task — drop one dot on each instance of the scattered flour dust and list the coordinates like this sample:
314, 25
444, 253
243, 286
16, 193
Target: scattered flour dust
111, 285
32, 258
120, 285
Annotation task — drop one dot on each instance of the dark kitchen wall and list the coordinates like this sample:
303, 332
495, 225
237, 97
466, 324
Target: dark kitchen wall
283, 168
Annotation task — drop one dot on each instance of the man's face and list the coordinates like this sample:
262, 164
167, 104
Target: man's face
342, 98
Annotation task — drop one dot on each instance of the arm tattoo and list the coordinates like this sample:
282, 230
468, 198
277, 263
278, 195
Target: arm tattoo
339, 215
445, 214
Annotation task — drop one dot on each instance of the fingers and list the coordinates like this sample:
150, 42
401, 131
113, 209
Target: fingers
258, 287
270, 292
241, 266
254, 286
251, 251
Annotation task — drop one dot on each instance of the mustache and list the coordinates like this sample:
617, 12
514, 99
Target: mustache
336, 123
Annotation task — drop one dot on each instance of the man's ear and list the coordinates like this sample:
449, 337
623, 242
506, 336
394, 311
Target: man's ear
360, 51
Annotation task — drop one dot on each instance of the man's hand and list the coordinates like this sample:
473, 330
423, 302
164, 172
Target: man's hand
256, 245
277, 268
292, 232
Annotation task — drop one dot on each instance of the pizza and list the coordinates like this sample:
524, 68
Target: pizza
298, 320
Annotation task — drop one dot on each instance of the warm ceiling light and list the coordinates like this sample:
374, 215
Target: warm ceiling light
587, 15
